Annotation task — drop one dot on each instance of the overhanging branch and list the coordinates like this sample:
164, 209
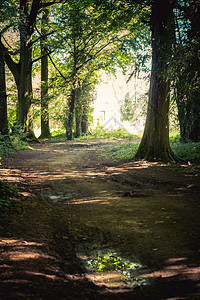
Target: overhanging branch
57, 68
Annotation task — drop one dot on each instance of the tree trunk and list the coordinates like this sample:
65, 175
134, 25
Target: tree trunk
194, 117
22, 71
72, 100
70, 117
84, 120
194, 92
78, 111
155, 145
24, 84
78, 121
45, 130
3, 97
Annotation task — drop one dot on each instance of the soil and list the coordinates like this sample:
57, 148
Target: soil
77, 204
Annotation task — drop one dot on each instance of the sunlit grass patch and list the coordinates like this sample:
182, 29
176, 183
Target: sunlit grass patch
96, 133
185, 151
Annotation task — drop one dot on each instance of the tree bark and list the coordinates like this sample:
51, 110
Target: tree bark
78, 121
84, 120
194, 93
155, 145
3, 97
22, 71
70, 116
45, 130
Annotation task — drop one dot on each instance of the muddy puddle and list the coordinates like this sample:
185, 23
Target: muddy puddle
107, 268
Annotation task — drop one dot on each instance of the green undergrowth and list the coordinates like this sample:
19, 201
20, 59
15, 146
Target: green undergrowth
96, 133
10, 145
185, 151
100, 132
110, 262
8, 197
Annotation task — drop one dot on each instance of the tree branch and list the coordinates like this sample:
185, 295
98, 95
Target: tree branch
41, 36
13, 66
36, 5
37, 59
57, 68
10, 52
44, 5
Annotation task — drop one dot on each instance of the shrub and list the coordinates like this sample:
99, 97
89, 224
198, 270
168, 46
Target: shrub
187, 151
8, 194
9, 145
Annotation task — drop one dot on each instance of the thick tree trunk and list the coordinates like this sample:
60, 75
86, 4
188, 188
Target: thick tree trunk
3, 97
24, 86
155, 145
24, 83
194, 91
22, 71
45, 130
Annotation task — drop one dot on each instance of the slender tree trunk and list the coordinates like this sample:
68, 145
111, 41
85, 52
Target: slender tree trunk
194, 117
72, 100
84, 120
3, 97
181, 116
45, 130
70, 117
78, 111
78, 121
155, 141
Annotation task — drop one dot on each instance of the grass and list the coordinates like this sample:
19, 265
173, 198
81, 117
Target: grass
185, 151
189, 152
96, 133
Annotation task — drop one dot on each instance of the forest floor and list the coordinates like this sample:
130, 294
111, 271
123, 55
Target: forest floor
77, 205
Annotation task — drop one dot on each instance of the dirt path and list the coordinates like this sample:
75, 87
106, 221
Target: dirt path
77, 204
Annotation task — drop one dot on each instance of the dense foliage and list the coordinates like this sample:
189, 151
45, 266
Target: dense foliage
66, 44
8, 196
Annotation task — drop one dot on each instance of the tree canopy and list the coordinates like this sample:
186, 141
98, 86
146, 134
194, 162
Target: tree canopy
74, 40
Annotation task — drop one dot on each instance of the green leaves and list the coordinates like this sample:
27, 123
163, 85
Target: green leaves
110, 262
7, 195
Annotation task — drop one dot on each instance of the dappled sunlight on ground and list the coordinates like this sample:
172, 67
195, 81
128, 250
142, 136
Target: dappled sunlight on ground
21, 250
174, 268
89, 201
